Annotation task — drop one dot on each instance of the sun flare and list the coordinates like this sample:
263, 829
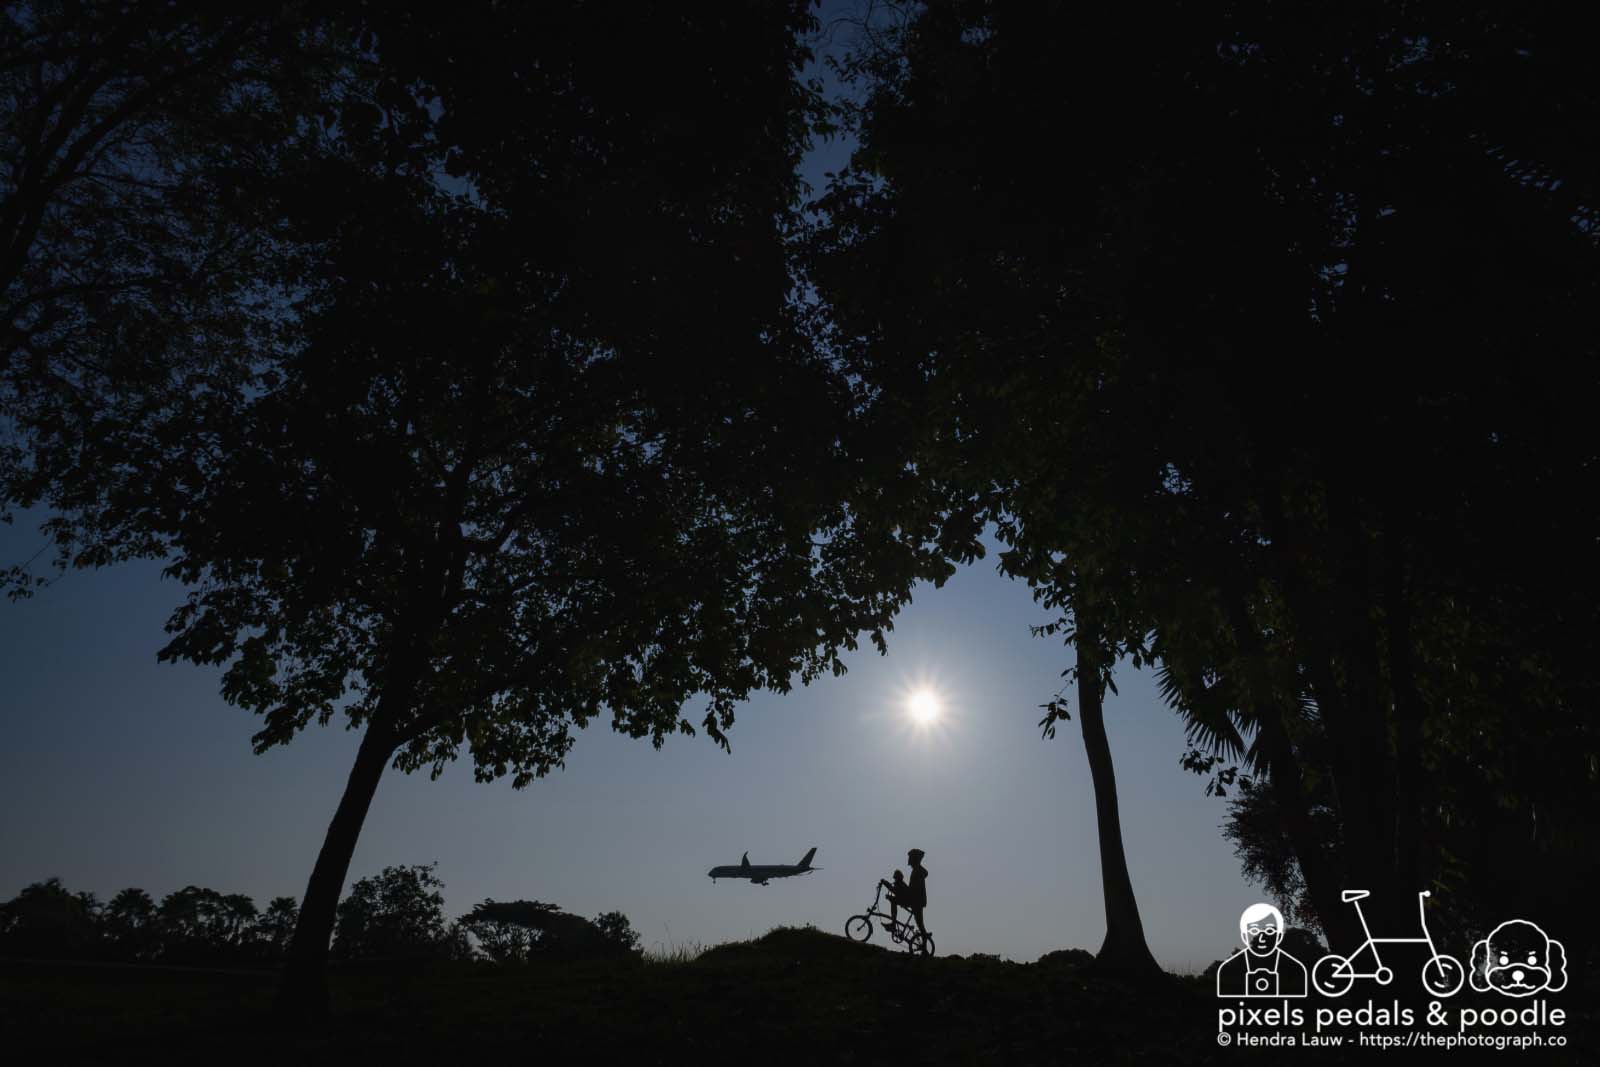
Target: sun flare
923, 706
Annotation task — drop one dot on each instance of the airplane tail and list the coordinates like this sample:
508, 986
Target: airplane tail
805, 861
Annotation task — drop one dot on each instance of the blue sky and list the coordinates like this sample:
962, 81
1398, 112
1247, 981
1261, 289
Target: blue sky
119, 771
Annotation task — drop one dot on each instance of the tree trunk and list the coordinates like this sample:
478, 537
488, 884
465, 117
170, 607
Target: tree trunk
1124, 948
1286, 779
1410, 868
303, 986
1368, 806
1359, 772
1339, 926
1336, 641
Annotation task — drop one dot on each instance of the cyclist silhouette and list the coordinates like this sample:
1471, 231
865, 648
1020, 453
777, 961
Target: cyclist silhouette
912, 896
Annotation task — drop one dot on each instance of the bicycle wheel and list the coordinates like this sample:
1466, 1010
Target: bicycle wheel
1333, 976
921, 944
859, 928
1442, 976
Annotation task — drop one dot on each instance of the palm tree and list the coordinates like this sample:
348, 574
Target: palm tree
1124, 948
1243, 702
1086, 620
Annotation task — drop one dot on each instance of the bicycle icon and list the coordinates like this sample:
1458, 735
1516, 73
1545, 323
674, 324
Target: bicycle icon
859, 928
1333, 974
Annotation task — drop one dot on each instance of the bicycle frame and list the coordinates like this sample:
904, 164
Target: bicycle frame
1333, 974
1373, 942
903, 929
902, 932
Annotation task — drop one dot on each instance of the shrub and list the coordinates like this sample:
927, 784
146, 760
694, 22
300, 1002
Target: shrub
398, 914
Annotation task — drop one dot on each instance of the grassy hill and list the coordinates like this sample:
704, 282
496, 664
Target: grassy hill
794, 995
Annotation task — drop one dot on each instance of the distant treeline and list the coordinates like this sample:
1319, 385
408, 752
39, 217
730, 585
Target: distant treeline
398, 914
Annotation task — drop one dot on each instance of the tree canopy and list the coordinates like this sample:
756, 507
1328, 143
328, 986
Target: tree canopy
475, 392
508, 419
398, 913
524, 931
1267, 332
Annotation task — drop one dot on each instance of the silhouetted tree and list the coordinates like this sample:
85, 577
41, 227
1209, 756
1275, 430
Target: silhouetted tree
1485, 848
506, 930
202, 925
48, 920
396, 914
515, 426
1124, 947
125, 285
1265, 853
131, 926
92, 89
457, 944
1281, 273
275, 926
522, 931
615, 928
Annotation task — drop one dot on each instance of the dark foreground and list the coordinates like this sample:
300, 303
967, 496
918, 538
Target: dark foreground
791, 996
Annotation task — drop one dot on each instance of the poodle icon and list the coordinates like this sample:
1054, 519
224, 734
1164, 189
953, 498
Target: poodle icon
1518, 960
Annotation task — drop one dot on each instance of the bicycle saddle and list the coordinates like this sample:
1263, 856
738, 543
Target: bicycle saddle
1354, 894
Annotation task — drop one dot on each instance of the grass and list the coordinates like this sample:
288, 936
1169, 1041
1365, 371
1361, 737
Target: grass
672, 953
674, 956
791, 995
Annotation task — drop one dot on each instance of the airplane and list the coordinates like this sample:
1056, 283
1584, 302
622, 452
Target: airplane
758, 875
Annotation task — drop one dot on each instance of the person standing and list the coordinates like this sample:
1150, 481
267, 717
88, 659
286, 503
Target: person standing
911, 895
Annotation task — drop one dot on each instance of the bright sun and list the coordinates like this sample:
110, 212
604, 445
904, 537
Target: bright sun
923, 707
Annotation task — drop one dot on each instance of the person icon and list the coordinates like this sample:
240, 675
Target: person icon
1261, 968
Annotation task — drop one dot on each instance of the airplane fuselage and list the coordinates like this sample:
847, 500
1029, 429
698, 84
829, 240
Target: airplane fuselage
759, 874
